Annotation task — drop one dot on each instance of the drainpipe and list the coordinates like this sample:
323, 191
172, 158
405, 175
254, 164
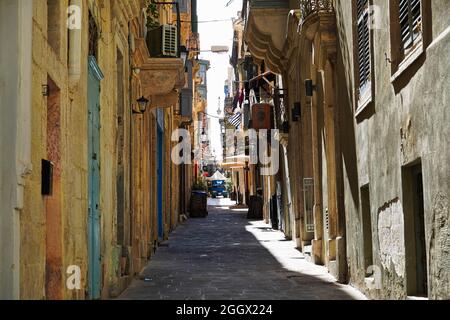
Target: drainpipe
130, 138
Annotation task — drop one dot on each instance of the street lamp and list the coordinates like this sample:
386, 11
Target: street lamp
214, 49
184, 53
143, 104
219, 49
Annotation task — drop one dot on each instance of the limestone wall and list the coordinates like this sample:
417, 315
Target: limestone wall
406, 122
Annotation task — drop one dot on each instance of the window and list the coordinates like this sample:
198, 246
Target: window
363, 54
410, 32
363, 44
410, 17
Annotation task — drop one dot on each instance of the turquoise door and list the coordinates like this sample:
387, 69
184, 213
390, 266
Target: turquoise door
94, 272
159, 161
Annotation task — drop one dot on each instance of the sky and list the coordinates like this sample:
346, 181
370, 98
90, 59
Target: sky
212, 34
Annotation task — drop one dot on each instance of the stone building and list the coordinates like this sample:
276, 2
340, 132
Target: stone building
85, 168
235, 125
364, 86
15, 135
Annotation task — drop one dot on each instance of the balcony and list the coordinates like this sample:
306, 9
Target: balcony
318, 18
161, 79
310, 7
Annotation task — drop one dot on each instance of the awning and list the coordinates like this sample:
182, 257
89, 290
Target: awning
217, 176
265, 32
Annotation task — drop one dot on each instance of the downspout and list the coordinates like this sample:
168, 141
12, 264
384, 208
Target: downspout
130, 138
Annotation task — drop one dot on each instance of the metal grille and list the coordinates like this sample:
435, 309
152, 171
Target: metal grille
308, 7
308, 203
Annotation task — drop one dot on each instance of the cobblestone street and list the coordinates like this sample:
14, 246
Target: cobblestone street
225, 256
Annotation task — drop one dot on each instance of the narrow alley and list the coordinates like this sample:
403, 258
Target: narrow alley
314, 133
227, 257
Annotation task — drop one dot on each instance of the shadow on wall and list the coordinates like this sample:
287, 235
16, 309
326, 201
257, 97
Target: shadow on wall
346, 110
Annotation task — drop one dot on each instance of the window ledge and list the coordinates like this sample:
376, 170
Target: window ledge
414, 298
408, 61
364, 100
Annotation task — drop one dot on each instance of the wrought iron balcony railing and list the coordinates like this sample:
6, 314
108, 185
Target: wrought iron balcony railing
309, 7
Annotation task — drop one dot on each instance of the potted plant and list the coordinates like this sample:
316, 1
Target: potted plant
153, 33
199, 185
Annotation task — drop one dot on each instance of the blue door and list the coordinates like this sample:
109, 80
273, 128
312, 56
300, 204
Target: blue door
159, 156
94, 272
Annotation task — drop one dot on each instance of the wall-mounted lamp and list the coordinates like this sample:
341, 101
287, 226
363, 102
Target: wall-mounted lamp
184, 54
45, 90
310, 87
142, 104
47, 178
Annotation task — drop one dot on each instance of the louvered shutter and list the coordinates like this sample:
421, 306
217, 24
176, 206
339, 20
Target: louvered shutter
410, 17
364, 61
169, 41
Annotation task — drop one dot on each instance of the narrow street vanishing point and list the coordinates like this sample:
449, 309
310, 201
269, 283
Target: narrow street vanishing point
227, 257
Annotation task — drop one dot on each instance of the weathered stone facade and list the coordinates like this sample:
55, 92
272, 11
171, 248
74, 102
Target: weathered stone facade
404, 125
370, 161
15, 135
51, 108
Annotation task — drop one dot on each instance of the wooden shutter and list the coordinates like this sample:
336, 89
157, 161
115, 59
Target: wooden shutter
364, 61
410, 17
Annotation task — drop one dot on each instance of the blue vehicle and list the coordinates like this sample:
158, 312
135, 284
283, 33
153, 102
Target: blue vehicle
218, 188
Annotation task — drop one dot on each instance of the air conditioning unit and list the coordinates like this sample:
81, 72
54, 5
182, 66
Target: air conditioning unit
163, 41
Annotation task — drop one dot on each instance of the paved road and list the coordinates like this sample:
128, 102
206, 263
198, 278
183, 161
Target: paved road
227, 257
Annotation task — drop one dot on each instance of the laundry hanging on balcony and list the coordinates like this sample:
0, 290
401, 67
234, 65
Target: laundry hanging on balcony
235, 120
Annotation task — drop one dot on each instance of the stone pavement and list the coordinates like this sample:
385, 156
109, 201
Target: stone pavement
227, 257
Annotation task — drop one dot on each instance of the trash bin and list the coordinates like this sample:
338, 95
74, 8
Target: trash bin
198, 205
274, 212
255, 208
